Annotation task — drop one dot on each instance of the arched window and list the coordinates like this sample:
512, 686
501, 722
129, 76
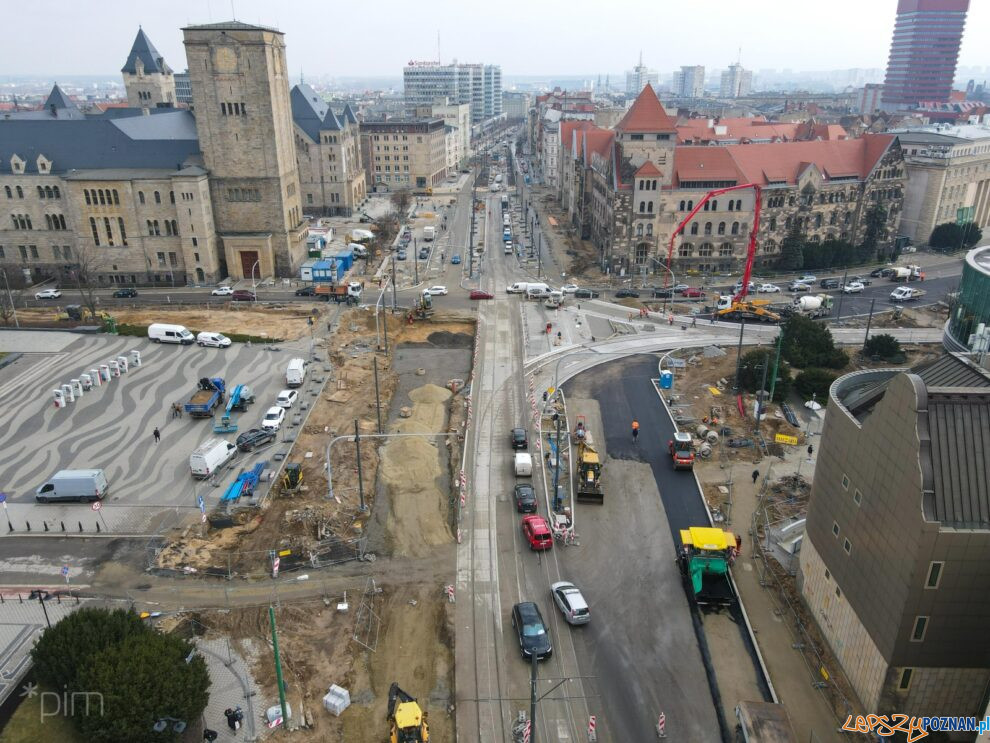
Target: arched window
725, 249
708, 205
106, 225
818, 221
96, 232
682, 204
58, 194
642, 206
171, 196
735, 227
833, 217
116, 197
48, 221
49, 193
41, 192
175, 228
168, 228
101, 196
686, 250
731, 204
141, 196
721, 228
151, 229
708, 228
20, 192
649, 206
157, 230
158, 197
705, 250
10, 194
694, 228
714, 205
690, 205
123, 232
846, 218
738, 205
642, 251
639, 230
773, 224
649, 230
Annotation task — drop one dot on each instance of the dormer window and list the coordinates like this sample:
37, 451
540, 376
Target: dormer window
44, 164
16, 164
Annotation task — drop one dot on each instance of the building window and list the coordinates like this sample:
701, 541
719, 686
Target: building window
140, 197
171, 197
694, 228
123, 232
173, 259
934, 574
835, 528
158, 197
106, 225
708, 228
10, 195
195, 242
721, 228
845, 482
847, 546
34, 251
116, 197
706, 249
161, 259
686, 250
725, 249
920, 628
735, 227
682, 205
905, 683
20, 192
96, 232
857, 497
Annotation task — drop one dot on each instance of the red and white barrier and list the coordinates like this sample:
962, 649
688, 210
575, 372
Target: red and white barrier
592, 731
450, 593
662, 726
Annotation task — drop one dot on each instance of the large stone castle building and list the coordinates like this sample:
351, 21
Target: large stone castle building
155, 194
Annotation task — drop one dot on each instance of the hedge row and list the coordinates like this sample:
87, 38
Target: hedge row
141, 331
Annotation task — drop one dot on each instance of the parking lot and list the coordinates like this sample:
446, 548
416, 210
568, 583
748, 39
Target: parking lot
111, 428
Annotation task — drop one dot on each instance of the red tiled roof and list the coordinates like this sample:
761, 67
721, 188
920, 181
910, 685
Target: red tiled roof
567, 128
596, 140
705, 163
646, 115
648, 169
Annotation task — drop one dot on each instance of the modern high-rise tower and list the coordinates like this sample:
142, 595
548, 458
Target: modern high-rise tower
923, 52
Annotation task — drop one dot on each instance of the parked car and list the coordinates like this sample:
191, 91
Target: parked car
243, 295
456, 259
585, 294
286, 398
680, 288
254, 438
627, 293
861, 279
125, 293
48, 294
571, 603
518, 439
692, 293
534, 639
738, 287
400, 255
213, 340
853, 287
437, 291
479, 294
798, 286
525, 498
807, 279
274, 417
663, 293
424, 253
768, 289
829, 283
222, 291
536, 532
569, 288
306, 291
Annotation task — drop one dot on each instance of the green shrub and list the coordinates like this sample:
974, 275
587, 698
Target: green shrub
814, 382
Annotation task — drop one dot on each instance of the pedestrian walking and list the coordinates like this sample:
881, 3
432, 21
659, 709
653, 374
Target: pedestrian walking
811, 450
670, 319
712, 322
756, 476
635, 430
694, 321
157, 434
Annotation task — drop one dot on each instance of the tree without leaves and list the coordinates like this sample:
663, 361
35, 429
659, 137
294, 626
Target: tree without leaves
89, 261
401, 200
11, 291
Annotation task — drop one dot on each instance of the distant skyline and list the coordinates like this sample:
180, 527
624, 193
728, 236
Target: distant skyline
585, 38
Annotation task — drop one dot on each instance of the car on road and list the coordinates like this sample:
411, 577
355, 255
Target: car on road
829, 283
768, 289
306, 291
213, 340
807, 279
861, 279
525, 498
662, 293
407, 235
286, 398
692, 293
853, 287
243, 295
680, 288
571, 603
627, 293
798, 286
481, 294
585, 294
534, 639
254, 438
424, 253
569, 288
738, 287
125, 293
456, 259
274, 417
48, 294
400, 255
536, 531
437, 291
222, 291
518, 439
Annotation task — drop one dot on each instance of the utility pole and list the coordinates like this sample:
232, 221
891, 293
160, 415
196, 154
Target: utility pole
532, 698
278, 669
759, 399
842, 293
385, 328
41, 599
471, 235
416, 261
395, 280
742, 329
556, 470
378, 399
776, 363
869, 321
357, 447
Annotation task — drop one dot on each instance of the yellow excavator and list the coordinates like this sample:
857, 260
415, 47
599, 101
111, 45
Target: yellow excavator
407, 720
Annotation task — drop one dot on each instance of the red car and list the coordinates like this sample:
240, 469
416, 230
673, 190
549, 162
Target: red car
479, 294
692, 293
537, 532
243, 295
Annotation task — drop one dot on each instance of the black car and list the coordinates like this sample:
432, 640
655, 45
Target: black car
424, 253
125, 293
306, 291
518, 438
829, 283
663, 293
585, 294
525, 499
531, 630
255, 437
626, 293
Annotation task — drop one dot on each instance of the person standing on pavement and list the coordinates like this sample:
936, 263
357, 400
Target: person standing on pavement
756, 476
635, 430
157, 434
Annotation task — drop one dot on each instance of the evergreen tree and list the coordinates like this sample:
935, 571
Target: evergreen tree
792, 249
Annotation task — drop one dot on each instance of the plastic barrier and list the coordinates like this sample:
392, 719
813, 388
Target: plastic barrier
95, 376
104, 372
67, 393
87, 382
58, 398
135, 358
122, 363
77, 388
114, 368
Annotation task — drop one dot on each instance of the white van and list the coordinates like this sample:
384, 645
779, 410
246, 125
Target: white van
523, 464
160, 332
211, 456
537, 291
77, 485
518, 288
214, 340
295, 373
358, 249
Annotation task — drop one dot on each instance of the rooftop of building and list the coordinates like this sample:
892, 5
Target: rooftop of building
741, 130
979, 258
947, 133
646, 114
142, 49
232, 25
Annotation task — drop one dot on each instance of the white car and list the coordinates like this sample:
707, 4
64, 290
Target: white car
48, 294
437, 291
214, 340
286, 398
222, 291
806, 279
273, 418
569, 288
799, 286
768, 289
571, 603
853, 287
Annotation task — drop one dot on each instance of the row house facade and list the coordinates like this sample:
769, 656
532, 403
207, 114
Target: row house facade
627, 189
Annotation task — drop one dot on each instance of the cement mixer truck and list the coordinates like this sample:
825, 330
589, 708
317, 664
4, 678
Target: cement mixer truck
818, 305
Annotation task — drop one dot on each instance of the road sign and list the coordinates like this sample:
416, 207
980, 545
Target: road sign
202, 517
284, 553
97, 505
783, 438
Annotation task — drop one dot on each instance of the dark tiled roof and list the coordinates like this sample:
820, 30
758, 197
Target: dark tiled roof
143, 49
332, 121
58, 99
349, 114
952, 370
308, 110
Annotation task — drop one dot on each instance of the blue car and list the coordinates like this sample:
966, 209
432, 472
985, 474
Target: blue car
400, 255
455, 260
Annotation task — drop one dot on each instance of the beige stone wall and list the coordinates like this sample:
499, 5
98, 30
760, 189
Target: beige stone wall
425, 167
331, 175
149, 90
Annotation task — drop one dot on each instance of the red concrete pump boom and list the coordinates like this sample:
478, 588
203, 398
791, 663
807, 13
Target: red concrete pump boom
750, 251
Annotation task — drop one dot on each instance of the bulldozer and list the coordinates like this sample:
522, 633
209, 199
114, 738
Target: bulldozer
407, 720
753, 309
589, 473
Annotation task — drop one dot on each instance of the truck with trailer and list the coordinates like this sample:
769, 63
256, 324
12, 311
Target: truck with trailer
906, 294
349, 292
750, 309
209, 395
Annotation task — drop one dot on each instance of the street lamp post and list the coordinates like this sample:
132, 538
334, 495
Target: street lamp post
254, 284
673, 280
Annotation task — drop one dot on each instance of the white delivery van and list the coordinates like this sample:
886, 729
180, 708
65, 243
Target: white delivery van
215, 340
295, 373
518, 288
537, 291
160, 332
78, 485
211, 456
523, 464
429, 233
359, 250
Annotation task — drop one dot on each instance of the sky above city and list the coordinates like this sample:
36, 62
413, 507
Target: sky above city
526, 37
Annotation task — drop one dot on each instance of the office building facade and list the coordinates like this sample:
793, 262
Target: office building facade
735, 82
689, 81
478, 85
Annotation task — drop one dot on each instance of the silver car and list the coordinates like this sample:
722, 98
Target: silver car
571, 603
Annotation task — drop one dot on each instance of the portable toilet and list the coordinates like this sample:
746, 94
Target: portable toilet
67, 393
105, 372
77, 388
666, 379
114, 368
135, 358
122, 363
96, 377
58, 398
87, 382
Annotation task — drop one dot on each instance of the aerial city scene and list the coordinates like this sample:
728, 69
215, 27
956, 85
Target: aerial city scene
545, 372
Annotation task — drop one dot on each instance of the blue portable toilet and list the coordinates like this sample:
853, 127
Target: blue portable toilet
666, 379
